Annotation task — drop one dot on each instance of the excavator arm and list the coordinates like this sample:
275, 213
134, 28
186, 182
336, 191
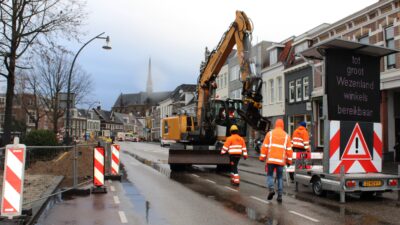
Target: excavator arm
239, 34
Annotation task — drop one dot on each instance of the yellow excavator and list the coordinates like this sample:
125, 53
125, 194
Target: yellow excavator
198, 140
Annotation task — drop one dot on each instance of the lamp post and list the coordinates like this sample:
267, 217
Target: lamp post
107, 47
87, 114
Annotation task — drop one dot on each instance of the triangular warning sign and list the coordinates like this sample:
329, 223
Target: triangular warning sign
356, 148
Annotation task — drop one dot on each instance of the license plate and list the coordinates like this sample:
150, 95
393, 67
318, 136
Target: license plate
372, 183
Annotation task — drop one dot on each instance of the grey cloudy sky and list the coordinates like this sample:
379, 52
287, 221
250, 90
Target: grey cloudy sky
174, 33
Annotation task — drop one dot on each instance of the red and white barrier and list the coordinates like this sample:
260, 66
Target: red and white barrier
98, 166
308, 156
13, 180
115, 162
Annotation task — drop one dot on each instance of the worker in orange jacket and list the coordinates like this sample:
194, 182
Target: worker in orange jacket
277, 151
300, 138
236, 147
301, 145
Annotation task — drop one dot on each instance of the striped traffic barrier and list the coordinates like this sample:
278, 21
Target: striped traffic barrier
306, 156
98, 170
115, 162
13, 180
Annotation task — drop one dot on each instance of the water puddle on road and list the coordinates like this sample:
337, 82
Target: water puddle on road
141, 205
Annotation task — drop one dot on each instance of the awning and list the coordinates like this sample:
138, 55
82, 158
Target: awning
318, 51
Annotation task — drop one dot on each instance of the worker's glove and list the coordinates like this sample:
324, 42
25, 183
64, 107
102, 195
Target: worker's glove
245, 157
262, 159
288, 164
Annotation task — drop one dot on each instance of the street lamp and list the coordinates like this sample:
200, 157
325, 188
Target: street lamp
107, 46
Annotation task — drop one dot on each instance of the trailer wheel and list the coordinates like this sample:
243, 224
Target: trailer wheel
317, 187
177, 167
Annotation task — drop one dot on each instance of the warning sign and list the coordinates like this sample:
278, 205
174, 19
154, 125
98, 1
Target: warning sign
355, 145
356, 148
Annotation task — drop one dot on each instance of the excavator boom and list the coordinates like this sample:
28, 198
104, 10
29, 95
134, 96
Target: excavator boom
239, 34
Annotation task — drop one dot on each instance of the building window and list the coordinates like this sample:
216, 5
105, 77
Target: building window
291, 91
389, 36
271, 91
253, 65
364, 40
234, 73
280, 89
273, 56
30, 118
298, 90
2, 101
236, 94
264, 90
305, 88
225, 80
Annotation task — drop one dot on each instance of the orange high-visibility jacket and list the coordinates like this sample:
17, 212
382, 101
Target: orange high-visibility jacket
301, 139
277, 147
234, 145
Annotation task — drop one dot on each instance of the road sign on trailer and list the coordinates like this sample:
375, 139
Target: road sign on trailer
356, 148
357, 156
13, 180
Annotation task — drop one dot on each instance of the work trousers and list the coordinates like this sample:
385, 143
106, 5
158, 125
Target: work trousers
234, 162
270, 177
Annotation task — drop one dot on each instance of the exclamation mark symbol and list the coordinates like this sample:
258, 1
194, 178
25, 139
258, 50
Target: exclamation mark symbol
356, 145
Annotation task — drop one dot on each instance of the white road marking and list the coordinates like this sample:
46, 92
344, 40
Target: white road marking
210, 181
116, 200
112, 188
195, 175
122, 217
304, 216
259, 199
229, 188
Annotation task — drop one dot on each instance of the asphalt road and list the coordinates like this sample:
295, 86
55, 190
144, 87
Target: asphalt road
203, 196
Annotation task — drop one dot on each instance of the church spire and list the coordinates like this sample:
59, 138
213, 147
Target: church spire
149, 88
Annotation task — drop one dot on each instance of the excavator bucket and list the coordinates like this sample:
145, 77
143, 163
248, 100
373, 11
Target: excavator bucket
253, 117
252, 105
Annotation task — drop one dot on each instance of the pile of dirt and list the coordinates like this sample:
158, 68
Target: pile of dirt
62, 165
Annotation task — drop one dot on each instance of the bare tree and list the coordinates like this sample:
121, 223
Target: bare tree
31, 101
52, 71
23, 24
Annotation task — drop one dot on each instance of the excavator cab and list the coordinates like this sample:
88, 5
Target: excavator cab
224, 114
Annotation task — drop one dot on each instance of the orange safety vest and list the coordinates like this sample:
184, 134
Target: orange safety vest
277, 148
301, 139
234, 145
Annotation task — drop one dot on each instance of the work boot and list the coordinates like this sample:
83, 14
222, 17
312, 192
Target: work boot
279, 199
271, 195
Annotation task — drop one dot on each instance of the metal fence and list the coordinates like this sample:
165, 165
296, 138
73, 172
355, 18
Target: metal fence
49, 169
